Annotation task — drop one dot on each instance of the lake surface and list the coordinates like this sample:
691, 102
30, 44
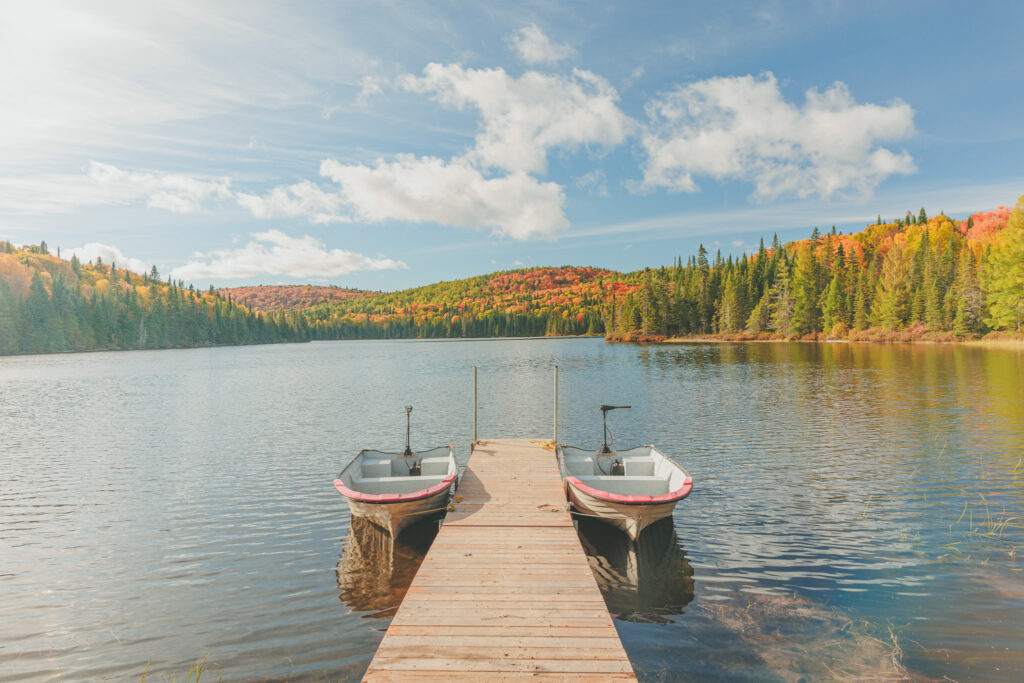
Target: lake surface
858, 510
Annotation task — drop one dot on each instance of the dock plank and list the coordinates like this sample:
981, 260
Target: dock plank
505, 591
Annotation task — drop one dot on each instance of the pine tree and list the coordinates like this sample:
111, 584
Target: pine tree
969, 297
806, 313
731, 313
892, 301
832, 308
1003, 274
932, 296
760, 317
861, 304
781, 305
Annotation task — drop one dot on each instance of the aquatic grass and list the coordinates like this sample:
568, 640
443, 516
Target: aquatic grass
800, 639
195, 672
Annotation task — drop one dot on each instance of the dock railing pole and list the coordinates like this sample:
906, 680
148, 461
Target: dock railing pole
474, 405
556, 405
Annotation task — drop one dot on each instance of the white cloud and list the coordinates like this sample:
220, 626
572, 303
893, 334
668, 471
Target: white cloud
274, 253
89, 74
742, 128
524, 117
109, 254
169, 191
594, 183
300, 199
534, 47
105, 184
370, 85
450, 193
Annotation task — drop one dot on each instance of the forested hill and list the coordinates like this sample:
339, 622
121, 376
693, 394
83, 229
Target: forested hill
48, 304
529, 302
911, 278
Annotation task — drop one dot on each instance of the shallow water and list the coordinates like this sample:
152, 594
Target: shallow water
858, 510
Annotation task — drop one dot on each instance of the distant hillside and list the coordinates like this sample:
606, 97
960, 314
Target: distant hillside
274, 298
911, 278
48, 304
527, 302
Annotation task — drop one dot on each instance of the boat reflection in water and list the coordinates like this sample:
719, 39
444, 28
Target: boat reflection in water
375, 570
648, 580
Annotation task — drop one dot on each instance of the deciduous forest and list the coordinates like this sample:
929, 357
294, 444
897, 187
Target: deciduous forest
914, 277
911, 278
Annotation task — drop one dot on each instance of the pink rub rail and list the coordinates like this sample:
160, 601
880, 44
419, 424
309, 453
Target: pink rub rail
680, 493
392, 497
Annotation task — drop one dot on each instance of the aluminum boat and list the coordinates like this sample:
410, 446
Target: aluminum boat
629, 489
393, 490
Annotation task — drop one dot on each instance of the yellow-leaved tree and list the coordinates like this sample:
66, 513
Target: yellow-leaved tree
1003, 274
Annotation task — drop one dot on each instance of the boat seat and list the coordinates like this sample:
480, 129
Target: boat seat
435, 465
394, 484
628, 485
639, 467
376, 467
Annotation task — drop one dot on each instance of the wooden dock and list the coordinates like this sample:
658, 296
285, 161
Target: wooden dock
505, 590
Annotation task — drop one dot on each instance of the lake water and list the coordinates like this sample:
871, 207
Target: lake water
858, 510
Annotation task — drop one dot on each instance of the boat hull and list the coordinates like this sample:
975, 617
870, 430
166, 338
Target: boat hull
383, 489
396, 516
630, 518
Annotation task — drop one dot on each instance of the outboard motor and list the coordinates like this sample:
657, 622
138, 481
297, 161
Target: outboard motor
415, 468
618, 469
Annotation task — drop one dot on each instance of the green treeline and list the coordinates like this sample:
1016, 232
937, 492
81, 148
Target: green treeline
918, 276
912, 278
50, 305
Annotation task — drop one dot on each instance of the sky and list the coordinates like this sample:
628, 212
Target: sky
384, 145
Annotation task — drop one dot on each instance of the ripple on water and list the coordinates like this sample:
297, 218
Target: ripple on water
851, 502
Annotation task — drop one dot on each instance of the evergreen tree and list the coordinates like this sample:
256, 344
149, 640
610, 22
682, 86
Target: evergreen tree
1004, 274
781, 319
862, 304
806, 312
969, 297
832, 308
892, 300
761, 316
731, 311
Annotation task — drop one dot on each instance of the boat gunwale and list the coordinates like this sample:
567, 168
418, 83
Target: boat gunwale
386, 498
627, 499
393, 497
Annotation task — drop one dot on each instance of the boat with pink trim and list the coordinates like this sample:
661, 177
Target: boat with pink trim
393, 490
629, 489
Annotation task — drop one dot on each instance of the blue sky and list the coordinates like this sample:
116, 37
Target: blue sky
383, 145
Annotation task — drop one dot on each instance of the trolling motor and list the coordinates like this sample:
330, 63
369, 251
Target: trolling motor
415, 468
618, 469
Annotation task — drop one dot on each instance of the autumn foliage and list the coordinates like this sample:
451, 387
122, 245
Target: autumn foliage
909, 278
48, 304
275, 298
527, 302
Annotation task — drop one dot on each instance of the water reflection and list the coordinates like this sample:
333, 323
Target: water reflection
156, 506
374, 571
648, 581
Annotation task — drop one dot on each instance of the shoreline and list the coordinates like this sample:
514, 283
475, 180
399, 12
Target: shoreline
993, 340
990, 340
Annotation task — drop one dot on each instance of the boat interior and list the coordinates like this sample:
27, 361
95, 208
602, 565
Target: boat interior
378, 472
636, 471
